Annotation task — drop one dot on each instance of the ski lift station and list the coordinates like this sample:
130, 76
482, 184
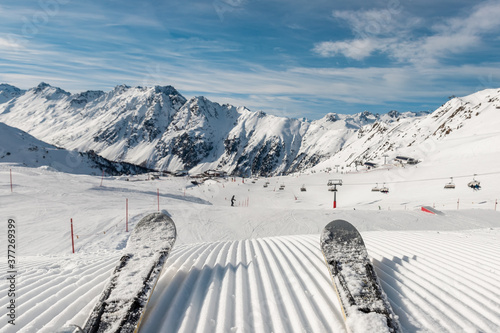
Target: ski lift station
181, 173
406, 160
215, 173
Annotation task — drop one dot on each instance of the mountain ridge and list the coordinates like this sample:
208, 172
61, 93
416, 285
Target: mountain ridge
21, 148
158, 128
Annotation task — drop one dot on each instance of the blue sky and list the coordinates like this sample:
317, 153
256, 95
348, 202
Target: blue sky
288, 58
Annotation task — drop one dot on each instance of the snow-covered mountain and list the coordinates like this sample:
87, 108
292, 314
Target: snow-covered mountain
156, 127
8, 92
466, 127
22, 149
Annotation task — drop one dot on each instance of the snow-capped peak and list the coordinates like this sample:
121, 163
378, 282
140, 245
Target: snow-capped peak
8, 92
159, 128
49, 91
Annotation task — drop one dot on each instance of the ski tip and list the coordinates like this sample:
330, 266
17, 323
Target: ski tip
158, 224
157, 217
340, 230
339, 224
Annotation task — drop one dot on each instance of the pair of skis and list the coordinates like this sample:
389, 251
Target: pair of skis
122, 303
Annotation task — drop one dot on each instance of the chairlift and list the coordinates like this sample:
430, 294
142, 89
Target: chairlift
303, 188
474, 184
282, 187
375, 189
450, 185
384, 189
265, 185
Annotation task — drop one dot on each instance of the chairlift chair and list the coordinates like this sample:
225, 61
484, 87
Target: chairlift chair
282, 186
303, 188
375, 189
474, 184
450, 185
384, 189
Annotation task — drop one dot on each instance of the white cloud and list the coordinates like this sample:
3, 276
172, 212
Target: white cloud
298, 91
372, 23
449, 37
357, 49
483, 18
10, 43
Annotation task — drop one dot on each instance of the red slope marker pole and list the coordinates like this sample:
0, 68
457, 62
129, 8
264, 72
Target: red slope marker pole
458, 203
496, 201
72, 238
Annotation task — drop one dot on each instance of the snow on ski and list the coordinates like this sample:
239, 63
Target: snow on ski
125, 297
364, 305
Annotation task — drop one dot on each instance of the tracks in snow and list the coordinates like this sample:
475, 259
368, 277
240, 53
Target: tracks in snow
446, 282
52, 290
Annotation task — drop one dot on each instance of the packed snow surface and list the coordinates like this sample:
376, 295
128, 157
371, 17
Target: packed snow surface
258, 267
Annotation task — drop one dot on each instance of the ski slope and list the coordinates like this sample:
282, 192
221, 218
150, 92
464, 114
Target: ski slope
256, 267
280, 284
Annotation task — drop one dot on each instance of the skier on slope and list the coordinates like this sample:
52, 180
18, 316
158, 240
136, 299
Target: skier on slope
232, 201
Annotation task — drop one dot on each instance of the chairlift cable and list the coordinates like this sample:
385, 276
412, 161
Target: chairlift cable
426, 179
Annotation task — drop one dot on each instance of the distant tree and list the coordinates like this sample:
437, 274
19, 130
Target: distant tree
451, 97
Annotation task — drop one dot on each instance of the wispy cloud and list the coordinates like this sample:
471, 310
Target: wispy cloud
391, 57
394, 33
357, 49
10, 42
372, 23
